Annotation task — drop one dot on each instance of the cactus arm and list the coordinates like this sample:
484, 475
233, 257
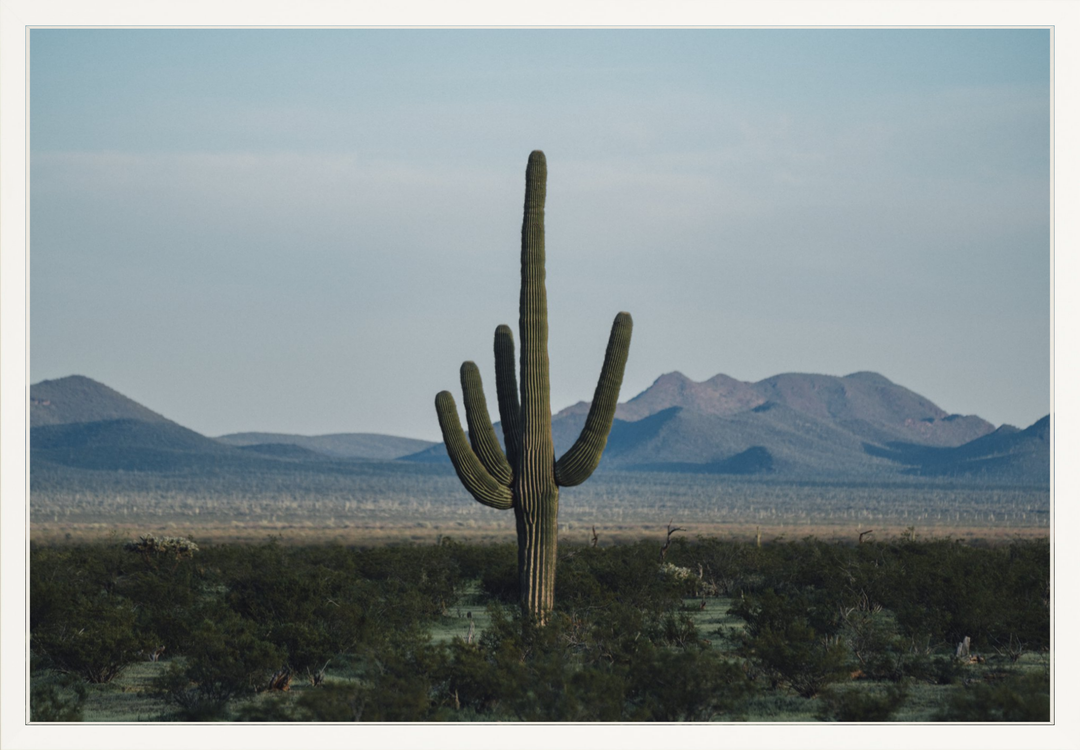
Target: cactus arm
480, 484
507, 388
537, 451
578, 463
481, 434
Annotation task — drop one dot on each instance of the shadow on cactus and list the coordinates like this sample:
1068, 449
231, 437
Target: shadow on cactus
527, 476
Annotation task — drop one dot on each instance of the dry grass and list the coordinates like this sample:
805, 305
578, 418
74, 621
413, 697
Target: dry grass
503, 531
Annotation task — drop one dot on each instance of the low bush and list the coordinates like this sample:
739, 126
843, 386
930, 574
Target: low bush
785, 648
57, 697
621, 645
228, 659
692, 684
96, 643
1023, 698
859, 703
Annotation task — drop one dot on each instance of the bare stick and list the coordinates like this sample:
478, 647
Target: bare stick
667, 542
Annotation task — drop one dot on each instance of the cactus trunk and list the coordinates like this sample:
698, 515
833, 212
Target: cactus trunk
537, 518
527, 478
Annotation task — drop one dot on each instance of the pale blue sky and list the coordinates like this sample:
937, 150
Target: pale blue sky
309, 231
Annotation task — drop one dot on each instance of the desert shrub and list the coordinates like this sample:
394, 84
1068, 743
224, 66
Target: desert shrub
630, 574
276, 707
499, 580
619, 646
678, 629
1016, 698
949, 590
491, 674
1025, 613
227, 659
169, 601
95, 640
397, 685
312, 604
473, 560
861, 703
609, 666
543, 677
422, 580
184, 698
937, 669
784, 646
943, 589
694, 684
615, 633
908, 590
519, 671
56, 697
265, 586
872, 636
725, 567
156, 550
53, 589
335, 702
476, 678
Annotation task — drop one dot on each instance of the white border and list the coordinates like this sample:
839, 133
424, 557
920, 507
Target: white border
16, 15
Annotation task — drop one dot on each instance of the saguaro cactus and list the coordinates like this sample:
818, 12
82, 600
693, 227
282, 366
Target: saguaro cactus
527, 476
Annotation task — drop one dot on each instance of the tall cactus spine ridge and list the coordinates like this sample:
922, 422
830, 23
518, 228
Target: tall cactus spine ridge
527, 476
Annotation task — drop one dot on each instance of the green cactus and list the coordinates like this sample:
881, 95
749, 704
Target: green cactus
527, 477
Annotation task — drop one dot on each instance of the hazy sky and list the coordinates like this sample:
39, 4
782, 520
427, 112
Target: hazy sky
309, 230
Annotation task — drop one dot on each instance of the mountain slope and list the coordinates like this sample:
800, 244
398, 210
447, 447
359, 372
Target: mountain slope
79, 399
130, 445
864, 403
79, 423
343, 445
1007, 454
793, 424
782, 439
873, 407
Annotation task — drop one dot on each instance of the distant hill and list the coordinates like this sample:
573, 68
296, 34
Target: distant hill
282, 450
676, 439
130, 445
1006, 454
80, 399
797, 425
792, 425
864, 403
79, 422
344, 445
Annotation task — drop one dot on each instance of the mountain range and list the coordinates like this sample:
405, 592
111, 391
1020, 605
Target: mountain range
807, 426
791, 425
81, 423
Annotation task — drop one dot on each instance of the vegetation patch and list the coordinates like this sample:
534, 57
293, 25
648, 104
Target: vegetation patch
666, 630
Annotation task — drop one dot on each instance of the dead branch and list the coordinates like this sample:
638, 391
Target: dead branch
667, 542
317, 678
1012, 650
280, 680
